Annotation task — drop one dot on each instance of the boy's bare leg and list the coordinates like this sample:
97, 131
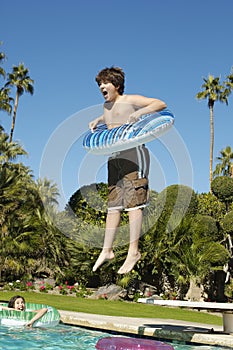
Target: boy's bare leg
135, 223
112, 223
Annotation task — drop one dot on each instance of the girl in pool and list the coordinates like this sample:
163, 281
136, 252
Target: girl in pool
18, 303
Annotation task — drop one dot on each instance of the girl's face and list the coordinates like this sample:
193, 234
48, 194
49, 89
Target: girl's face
19, 304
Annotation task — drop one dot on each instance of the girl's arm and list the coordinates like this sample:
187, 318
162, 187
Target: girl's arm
39, 314
6, 308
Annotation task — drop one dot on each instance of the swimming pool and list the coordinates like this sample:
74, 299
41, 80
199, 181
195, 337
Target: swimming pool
64, 337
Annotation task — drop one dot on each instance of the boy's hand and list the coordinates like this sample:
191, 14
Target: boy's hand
92, 125
133, 118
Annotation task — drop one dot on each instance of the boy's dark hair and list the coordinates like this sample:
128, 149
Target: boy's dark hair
11, 302
114, 75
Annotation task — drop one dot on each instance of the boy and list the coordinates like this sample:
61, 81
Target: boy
127, 170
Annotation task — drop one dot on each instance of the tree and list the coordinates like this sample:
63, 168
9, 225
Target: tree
227, 225
173, 204
197, 251
225, 167
2, 58
15, 193
48, 245
30, 242
9, 150
5, 99
89, 203
208, 204
222, 188
23, 83
229, 81
48, 194
213, 91
174, 207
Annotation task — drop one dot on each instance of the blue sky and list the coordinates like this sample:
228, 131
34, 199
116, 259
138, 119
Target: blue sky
165, 48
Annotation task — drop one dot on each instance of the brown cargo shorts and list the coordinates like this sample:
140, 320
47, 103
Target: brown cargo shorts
128, 186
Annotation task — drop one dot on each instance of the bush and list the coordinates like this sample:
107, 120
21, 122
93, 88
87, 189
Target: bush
227, 223
222, 187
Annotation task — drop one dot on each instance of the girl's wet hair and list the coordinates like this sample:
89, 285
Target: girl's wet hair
11, 302
114, 75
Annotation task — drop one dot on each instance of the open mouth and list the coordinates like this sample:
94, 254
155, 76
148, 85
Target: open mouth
105, 93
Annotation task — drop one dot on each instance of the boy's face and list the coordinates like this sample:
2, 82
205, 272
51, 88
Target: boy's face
109, 91
19, 304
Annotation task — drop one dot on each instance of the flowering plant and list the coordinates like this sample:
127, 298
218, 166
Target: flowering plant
43, 289
29, 285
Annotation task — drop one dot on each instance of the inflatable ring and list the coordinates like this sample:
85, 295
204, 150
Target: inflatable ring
21, 318
124, 343
148, 127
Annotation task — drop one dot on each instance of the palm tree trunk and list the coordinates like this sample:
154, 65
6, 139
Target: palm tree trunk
195, 292
211, 143
14, 116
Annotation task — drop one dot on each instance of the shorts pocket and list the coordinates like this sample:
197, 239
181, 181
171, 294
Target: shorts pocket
141, 191
114, 196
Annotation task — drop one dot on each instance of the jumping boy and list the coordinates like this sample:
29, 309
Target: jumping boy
127, 170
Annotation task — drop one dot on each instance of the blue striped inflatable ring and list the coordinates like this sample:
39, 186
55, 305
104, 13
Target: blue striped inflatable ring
124, 343
147, 128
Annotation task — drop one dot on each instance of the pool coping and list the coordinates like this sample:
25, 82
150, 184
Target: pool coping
166, 329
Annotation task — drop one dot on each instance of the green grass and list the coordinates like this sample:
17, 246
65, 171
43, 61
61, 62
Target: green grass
115, 308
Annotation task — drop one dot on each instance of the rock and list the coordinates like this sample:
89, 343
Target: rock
110, 292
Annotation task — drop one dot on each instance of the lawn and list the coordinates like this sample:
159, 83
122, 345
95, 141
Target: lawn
115, 308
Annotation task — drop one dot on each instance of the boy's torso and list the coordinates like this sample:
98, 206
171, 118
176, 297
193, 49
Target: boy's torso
117, 113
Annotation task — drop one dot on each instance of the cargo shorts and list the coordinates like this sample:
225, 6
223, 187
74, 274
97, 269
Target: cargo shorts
128, 185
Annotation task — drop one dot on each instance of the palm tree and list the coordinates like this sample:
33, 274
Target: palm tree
11, 176
9, 150
196, 250
2, 58
5, 100
225, 167
48, 244
48, 193
229, 81
213, 91
29, 240
22, 81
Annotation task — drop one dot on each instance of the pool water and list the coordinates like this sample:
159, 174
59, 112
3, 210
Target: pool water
64, 337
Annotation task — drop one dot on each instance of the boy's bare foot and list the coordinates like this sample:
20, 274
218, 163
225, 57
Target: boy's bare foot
104, 255
129, 263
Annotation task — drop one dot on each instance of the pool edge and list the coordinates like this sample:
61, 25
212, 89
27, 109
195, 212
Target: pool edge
171, 330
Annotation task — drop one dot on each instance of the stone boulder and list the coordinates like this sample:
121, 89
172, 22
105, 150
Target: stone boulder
110, 292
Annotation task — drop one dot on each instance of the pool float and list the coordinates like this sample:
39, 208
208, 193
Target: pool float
124, 343
15, 318
148, 127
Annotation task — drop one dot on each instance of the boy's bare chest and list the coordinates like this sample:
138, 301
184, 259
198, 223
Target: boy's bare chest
118, 114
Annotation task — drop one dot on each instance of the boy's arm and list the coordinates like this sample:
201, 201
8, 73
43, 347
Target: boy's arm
93, 124
144, 105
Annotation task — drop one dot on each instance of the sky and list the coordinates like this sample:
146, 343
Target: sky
165, 47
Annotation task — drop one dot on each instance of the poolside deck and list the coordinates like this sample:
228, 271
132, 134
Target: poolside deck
153, 327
